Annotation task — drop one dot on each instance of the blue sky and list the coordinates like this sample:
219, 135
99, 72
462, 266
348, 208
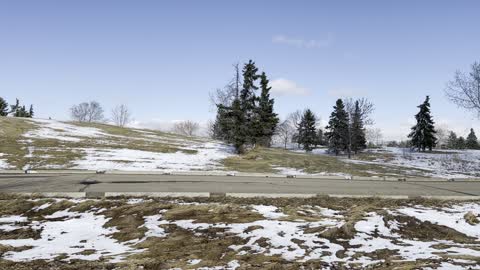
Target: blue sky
162, 58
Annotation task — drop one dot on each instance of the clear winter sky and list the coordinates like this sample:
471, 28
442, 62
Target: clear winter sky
162, 58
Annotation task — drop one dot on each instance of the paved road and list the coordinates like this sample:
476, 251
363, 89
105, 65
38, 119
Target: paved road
227, 184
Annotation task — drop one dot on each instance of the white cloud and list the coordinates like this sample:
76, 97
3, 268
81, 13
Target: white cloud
303, 43
286, 87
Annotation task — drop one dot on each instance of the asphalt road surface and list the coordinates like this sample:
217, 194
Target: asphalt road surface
230, 184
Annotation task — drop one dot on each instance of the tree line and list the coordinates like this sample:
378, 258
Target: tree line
244, 118
454, 142
92, 112
247, 119
15, 110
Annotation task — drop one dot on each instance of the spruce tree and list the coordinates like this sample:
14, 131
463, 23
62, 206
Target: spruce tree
3, 107
307, 132
423, 133
265, 120
30, 112
461, 143
357, 131
248, 99
239, 132
15, 108
452, 140
472, 142
319, 140
338, 129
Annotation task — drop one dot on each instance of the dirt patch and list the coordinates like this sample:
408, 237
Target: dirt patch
213, 214
129, 218
412, 228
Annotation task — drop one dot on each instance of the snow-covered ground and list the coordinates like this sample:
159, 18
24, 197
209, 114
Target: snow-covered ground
3, 163
101, 150
442, 163
51, 129
302, 238
207, 158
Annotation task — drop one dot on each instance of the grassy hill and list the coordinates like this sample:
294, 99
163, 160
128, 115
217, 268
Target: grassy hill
49, 144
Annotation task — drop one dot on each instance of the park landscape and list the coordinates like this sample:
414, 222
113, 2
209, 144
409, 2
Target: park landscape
216, 136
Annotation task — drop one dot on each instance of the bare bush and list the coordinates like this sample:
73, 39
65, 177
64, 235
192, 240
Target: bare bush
87, 112
187, 128
121, 115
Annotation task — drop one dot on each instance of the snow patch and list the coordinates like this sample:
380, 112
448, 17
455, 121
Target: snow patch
83, 231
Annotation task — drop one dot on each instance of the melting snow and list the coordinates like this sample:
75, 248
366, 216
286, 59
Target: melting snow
51, 129
83, 231
268, 211
207, 158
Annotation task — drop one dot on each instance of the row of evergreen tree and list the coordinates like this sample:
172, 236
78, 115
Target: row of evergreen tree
16, 110
248, 120
345, 130
454, 142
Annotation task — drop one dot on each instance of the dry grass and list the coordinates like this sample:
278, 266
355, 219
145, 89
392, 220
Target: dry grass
471, 218
213, 214
51, 153
264, 160
212, 245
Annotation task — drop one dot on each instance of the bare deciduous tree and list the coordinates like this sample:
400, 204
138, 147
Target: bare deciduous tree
366, 109
225, 96
464, 89
87, 112
285, 132
294, 118
187, 128
374, 136
442, 134
121, 115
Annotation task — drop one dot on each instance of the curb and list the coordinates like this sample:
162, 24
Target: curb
240, 174
100, 195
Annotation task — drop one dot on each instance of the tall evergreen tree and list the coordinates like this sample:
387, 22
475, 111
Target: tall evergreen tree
423, 133
307, 131
265, 120
30, 112
452, 140
461, 143
14, 108
472, 142
319, 140
248, 99
338, 129
3, 107
240, 131
357, 130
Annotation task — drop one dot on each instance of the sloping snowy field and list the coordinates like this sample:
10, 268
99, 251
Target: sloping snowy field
100, 150
441, 163
443, 237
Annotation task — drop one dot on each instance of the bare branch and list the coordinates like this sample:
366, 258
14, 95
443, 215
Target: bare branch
464, 89
187, 128
121, 115
87, 112
366, 109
